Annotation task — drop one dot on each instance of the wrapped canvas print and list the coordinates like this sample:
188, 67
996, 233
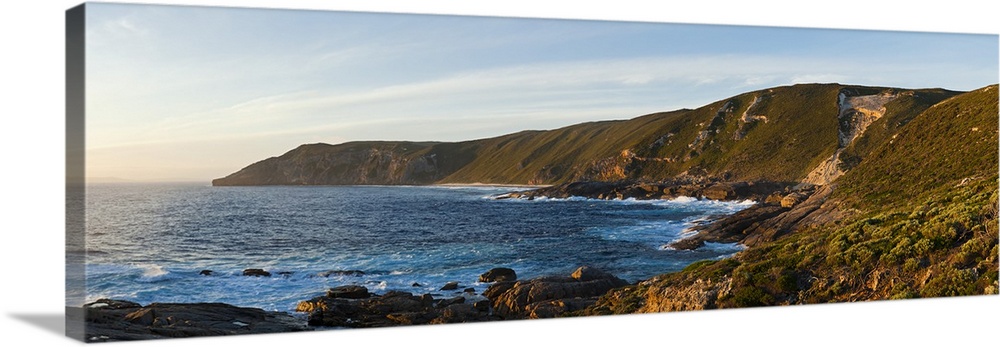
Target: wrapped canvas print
243, 171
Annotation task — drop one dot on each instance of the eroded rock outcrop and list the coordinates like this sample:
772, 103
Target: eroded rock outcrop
392, 309
117, 320
857, 112
499, 274
552, 296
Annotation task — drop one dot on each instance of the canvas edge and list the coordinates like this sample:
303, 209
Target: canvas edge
75, 174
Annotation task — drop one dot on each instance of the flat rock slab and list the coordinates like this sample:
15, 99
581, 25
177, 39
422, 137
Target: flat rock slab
155, 321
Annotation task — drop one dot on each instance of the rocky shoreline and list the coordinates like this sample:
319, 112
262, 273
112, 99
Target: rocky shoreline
352, 306
682, 186
781, 208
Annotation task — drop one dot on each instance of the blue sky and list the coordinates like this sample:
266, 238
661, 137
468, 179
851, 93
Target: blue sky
195, 93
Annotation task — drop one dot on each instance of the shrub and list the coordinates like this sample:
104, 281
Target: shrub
751, 297
950, 282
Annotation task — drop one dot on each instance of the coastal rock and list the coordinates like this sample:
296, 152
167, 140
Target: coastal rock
450, 286
558, 308
392, 309
496, 289
457, 313
348, 292
716, 188
586, 273
482, 305
452, 301
700, 294
112, 304
143, 316
517, 301
734, 228
395, 301
122, 320
341, 273
726, 190
774, 198
427, 300
499, 274
792, 199
813, 210
256, 273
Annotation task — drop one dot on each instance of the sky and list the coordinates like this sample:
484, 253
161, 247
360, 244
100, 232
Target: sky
195, 93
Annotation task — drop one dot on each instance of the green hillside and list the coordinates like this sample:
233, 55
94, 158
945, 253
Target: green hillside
923, 223
777, 134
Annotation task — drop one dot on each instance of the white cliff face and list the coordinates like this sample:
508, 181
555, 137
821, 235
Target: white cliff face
856, 114
751, 114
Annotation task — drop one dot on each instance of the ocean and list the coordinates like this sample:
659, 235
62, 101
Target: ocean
149, 242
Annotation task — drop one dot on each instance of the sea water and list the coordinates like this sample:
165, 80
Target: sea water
149, 242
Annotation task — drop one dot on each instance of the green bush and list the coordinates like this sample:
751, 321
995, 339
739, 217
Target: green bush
950, 282
751, 297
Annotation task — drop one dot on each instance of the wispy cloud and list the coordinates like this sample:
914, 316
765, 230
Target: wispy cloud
222, 83
568, 91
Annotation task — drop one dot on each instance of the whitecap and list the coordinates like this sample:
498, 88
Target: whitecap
153, 273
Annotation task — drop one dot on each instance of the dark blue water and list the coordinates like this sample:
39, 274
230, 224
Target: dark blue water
147, 242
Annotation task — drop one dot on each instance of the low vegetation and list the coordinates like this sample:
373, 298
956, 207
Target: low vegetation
925, 205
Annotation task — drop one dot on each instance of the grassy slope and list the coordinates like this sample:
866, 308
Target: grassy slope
322, 163
926, 226
800, 132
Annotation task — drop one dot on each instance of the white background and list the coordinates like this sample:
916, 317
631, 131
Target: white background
31, 215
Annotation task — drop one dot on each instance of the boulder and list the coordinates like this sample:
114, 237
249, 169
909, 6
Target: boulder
586, 273
142, 316
452, 301
348, 292
256, 273
792, 199
651, 188
496, 289
450, 286
516, 301
499, 274
774, 198
726, 190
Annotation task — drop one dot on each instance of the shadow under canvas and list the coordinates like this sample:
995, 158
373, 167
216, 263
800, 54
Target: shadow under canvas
52, 322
